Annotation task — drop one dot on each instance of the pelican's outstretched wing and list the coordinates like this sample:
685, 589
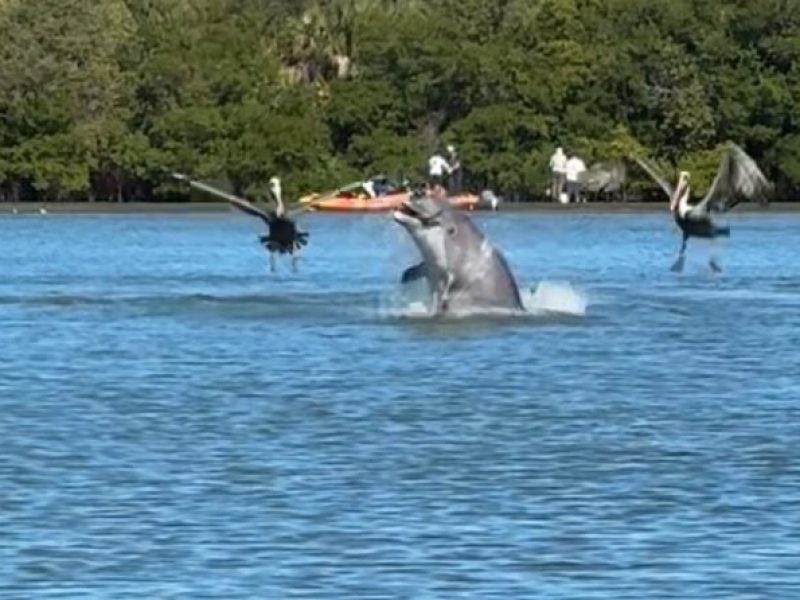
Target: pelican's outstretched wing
239, 203
248, 208
595, 178
299, 209
738, 180
657, 176
603, 177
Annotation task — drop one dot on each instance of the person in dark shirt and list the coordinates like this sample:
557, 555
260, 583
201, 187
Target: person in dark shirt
455, 177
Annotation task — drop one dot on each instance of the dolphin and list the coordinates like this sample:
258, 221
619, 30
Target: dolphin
465, 273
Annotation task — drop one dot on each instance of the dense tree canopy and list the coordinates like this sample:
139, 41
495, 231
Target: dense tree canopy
98, 100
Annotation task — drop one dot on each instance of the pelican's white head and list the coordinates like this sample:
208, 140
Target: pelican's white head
680, 197
275, 190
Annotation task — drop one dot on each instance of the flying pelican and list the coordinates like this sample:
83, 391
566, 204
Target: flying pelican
283, 236
738, 179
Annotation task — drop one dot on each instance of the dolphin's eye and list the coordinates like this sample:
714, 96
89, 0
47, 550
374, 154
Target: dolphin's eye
451, 230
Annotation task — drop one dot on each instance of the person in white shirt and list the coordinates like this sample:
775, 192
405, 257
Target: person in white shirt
575, 166
438, 167
369, 187
490, 198
558, 165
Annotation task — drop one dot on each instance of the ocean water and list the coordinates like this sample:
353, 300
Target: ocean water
177, 422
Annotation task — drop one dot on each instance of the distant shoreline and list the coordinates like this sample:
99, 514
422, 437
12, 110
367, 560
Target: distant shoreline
221, 207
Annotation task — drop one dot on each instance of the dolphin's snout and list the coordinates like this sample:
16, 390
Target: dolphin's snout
405, 214
407, 208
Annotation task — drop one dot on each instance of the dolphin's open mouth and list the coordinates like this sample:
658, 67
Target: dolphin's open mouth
407, 214
408, 210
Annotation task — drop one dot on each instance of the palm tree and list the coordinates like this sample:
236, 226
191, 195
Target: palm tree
322, 40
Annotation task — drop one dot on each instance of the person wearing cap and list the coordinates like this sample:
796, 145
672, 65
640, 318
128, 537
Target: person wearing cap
438, 168
558, 166
454, 180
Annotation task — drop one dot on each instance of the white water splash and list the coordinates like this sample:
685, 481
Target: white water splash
547, 298
409, 301
554, 297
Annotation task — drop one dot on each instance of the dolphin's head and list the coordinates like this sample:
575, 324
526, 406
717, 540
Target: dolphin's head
419, 211
424, 216
429, 222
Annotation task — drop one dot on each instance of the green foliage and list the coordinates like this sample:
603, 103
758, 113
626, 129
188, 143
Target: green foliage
619, 144
787, 158
99, 99
383, 151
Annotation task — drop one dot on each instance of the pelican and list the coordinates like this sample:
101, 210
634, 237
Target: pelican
738, 179
605, 178
283, 236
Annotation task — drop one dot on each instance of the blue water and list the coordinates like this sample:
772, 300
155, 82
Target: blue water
178, 423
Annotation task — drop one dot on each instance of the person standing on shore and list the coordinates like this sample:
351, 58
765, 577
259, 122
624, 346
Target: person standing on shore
454, 181
438, 167
575, 167
558, 166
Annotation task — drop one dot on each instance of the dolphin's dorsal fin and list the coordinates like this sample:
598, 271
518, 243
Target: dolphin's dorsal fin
413, 273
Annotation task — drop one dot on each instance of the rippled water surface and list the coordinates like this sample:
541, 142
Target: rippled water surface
178, 423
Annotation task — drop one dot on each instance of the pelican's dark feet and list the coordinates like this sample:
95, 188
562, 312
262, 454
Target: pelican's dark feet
301, 239
715, 266
677, 266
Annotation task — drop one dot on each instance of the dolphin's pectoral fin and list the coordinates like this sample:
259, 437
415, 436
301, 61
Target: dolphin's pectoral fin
413, 273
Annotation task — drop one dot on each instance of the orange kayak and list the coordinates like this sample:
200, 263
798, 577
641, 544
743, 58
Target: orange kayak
342, 203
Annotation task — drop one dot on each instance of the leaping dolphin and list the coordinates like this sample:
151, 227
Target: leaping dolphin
465, 273
738, 179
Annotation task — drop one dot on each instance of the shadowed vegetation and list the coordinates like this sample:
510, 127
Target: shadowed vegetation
99, 99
